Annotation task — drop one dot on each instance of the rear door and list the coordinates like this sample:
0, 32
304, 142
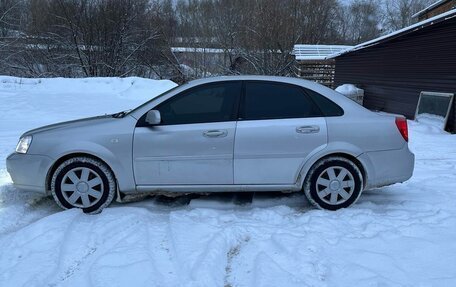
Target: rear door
194, 142
279, 126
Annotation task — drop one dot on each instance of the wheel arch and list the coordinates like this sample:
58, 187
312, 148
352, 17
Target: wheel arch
65, 157
305, 170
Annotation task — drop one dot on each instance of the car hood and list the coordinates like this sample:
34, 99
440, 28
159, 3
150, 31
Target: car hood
71, 124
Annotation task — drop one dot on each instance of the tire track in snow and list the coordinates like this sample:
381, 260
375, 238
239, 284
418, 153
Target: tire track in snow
71, 262
231, 255
160, 250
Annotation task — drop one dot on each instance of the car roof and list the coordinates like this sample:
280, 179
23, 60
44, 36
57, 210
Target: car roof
290, 80
330, 93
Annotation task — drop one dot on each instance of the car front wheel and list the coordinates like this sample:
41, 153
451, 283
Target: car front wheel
83, 182
333, 183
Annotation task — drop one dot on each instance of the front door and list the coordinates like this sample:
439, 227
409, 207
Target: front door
194, 143
279, 127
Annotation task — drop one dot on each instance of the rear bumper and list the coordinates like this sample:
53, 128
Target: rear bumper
388, 167
28, 171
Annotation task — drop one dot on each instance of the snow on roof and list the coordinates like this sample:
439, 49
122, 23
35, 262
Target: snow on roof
430, 7
436, 19
316, 52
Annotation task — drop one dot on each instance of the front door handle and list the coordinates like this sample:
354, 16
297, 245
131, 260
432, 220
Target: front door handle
308, 129
215, 133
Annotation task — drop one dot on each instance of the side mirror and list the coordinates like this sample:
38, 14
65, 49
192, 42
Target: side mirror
153, 117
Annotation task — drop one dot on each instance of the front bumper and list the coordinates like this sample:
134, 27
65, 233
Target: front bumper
388, 167
28, 171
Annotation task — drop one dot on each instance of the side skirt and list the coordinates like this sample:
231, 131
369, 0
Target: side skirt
216, 188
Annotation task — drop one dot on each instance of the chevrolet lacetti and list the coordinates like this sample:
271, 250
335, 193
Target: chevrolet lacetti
239, 133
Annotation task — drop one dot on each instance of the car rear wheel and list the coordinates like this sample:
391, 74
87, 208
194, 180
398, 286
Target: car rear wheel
83, 182
333, 183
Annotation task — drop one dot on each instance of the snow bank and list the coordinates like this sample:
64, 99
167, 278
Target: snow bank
402, 235
347, 89
431, 120
131, 87
352, 92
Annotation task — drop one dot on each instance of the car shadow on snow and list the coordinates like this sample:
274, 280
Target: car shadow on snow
221, 200
374, 198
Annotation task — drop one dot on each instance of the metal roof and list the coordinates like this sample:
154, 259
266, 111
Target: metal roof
415, 27
316, 52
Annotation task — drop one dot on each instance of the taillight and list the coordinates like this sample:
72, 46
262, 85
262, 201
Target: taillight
401, 124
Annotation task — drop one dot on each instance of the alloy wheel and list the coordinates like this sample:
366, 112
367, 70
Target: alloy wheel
82, 187
335, 185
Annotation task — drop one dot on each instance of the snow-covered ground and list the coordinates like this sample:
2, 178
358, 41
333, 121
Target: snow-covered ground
431, 120
402, 235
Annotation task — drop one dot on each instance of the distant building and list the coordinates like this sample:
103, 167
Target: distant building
313, 63
435, 9
394, 69
202, 61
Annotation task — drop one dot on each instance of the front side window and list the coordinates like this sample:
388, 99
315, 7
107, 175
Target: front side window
268, 100
208, 103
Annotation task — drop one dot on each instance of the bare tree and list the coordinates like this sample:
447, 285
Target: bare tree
13, 20
364, 21
255, 36
182, 39
398, 13
100, 37
11, 17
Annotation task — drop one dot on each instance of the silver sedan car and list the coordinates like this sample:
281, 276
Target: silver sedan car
240, 133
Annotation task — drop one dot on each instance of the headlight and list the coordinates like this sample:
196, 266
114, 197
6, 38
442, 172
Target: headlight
23, 144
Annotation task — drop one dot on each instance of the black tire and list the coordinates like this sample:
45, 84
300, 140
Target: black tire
319, 172
106, 188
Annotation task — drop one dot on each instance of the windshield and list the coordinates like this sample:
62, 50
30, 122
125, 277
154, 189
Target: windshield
153, 98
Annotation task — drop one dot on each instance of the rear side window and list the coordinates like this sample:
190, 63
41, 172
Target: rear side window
267, 100
327, 107
208, 103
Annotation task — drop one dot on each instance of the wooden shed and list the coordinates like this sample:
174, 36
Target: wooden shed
394, 69
312, 62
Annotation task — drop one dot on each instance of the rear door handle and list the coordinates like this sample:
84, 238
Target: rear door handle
215, 133
308, 129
